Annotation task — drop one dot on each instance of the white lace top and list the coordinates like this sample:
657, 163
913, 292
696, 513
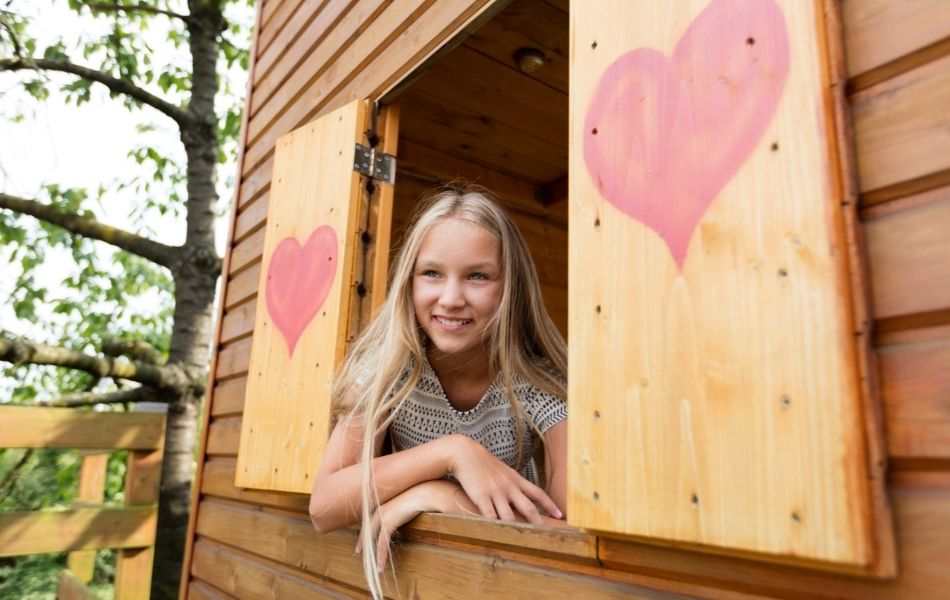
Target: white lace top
426, 415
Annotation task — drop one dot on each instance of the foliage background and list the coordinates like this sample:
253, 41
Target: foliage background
123, 165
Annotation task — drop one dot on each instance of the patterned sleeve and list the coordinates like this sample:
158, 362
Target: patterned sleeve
545, 410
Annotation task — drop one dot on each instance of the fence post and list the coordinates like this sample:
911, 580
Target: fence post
90, 492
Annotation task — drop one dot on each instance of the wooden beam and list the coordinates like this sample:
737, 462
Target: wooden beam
92, 486
76, 529
71, 587
36, 427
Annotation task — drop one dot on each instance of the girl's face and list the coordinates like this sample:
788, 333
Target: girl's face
457, 287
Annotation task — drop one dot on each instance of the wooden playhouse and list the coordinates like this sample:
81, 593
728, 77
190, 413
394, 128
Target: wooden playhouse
738, 209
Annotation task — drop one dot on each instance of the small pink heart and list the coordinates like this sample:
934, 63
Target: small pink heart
298, 281
664, 135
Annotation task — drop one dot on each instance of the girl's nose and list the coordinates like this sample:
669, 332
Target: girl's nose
451, 295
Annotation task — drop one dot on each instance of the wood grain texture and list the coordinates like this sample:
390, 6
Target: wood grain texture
900, 127
422, 569
72, 587
723, 408
916, 384
909, 254
881, 31
76, 529
133, 571
922, 518
36, 427
287, 400
91, 489
247, 576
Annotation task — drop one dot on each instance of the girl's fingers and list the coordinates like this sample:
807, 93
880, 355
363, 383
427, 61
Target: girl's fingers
504, 509
538, 495
486, 508
382, 549
528, 510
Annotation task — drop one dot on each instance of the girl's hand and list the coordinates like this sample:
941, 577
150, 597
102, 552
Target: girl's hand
497, 490
432, 496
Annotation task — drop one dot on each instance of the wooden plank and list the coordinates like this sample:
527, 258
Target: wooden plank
133, 572
314, 208
228, 397
35, 427
916, 384
218, 481
91, 489
423, 569
255, 181
279, 63
922, 513
386, 64
437, 167
278, 18
247, 576
247, 250
251, 217
234, 358
722, 406
528, 24
224, 436
346, 48
198, 590
73, 587
469, 135
909, 258
899, 125
76, 529
243, 285
239, 322
881, 31
380, 221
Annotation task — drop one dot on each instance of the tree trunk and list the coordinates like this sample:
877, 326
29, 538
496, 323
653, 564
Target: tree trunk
195, 277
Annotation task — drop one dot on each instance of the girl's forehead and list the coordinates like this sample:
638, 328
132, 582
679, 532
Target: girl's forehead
453, 238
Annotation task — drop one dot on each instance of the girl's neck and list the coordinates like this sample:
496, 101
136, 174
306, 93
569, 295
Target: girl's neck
464, 377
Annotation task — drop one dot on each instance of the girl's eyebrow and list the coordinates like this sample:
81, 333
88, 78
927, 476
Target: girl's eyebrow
432, 263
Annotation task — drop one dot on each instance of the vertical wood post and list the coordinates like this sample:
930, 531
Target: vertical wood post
133, 572
92, 487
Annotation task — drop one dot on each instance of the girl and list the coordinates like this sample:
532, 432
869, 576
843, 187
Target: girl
464, 369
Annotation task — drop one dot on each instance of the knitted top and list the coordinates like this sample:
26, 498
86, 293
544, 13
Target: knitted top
426, 414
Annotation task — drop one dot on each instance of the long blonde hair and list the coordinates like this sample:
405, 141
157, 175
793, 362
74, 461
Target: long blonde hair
522, 339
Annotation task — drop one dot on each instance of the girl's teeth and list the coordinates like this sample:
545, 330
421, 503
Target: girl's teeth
451, 322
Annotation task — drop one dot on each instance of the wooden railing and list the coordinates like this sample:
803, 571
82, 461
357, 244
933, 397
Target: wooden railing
88, 525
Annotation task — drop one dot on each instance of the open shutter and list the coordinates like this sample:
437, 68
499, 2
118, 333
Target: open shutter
714, 383
312, 266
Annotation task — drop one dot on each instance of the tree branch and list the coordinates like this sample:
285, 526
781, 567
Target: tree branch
167, 377
9, 480
156, 252
139, 350
119, 86
107, 7
14, 39
139, 394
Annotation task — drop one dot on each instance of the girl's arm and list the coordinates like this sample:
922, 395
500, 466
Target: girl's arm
555, 463
496, 489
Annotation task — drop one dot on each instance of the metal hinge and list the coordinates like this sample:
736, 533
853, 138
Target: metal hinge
367, 161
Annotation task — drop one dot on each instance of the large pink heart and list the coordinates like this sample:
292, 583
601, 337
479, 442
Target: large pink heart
664, 135
298, 281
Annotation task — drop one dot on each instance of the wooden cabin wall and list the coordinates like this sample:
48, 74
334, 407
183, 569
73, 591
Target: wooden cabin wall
313, 55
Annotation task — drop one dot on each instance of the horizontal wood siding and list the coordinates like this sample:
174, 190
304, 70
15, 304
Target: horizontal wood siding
315, 55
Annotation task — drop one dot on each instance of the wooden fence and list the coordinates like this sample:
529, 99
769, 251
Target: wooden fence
88, 525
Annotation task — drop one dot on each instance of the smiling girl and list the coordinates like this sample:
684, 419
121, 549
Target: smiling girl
465, 371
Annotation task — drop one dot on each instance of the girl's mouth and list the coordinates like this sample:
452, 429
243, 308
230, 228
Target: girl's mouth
447, 322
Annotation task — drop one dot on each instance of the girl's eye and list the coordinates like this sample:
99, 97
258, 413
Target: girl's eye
429, 273
478, 276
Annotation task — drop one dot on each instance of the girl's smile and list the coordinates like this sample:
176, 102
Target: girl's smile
456, 289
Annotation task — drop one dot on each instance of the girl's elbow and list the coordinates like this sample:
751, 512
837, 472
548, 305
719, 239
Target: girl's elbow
318, 515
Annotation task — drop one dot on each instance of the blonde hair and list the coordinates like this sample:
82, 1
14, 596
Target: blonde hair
522, 339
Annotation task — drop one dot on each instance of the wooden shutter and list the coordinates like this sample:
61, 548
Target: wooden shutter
307, 303
714, 390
